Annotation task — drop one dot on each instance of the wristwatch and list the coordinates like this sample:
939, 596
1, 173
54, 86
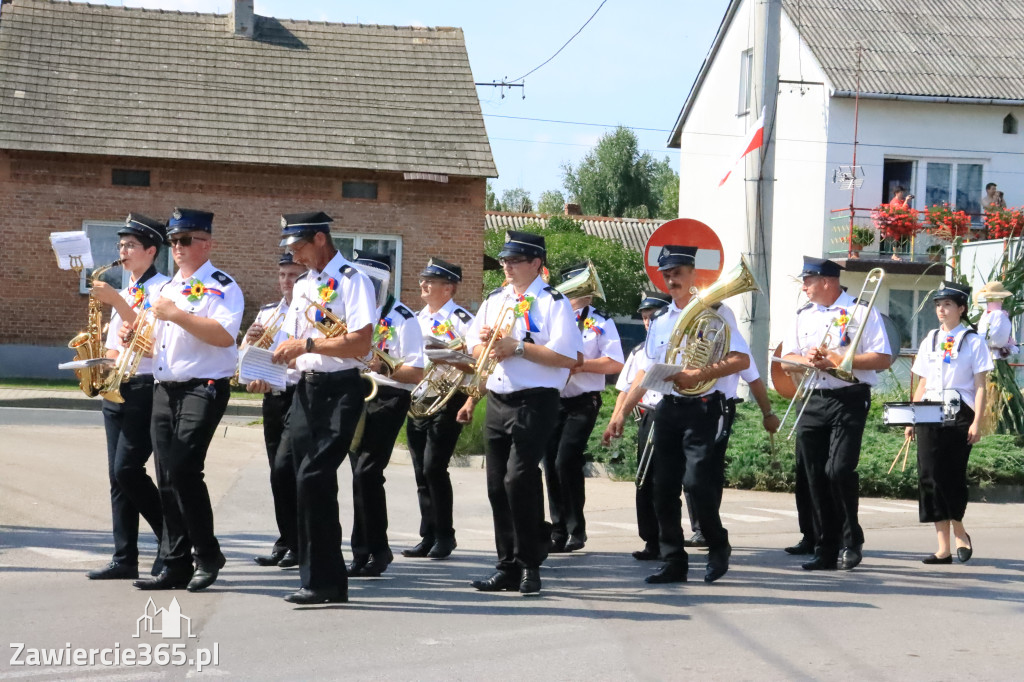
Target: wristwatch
309, 345
520, 349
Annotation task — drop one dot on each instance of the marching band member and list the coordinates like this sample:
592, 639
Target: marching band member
830, 430
579, 404
328, 400
685, 425
397, 334
646, 521
132, 491
952, 358
276, 405
432, 439
199, 313
533, 361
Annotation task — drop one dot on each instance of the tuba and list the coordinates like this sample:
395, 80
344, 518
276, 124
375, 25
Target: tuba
586, 283
439, 385
89, 344
700, 337
485, 364
140, 343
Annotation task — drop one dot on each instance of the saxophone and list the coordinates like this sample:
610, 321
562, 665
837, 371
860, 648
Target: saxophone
138, 346
89, 343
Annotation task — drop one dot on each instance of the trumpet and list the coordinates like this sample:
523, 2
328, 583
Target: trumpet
138, 346
332, 326
264, 341
485, 364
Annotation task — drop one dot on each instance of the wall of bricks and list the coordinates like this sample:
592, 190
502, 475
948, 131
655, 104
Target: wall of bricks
43, 193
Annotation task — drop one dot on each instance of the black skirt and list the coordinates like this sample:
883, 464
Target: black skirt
942, 453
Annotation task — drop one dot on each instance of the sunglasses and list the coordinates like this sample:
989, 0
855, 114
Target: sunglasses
186, 240
511, 261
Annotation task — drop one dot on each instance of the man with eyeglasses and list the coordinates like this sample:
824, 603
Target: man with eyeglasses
537, 344
199, 313
432, 439
328, 400
132, 491
276, 406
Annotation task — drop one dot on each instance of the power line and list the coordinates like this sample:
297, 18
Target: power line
514, 80
579, 123
574, 144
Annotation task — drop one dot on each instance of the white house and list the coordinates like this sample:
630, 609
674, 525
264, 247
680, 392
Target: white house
941, 111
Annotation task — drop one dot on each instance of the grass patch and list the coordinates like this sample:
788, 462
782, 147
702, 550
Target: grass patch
49, 384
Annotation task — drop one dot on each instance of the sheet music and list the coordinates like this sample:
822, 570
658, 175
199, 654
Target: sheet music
256, 363
451, 357
85, 364
656, 378
72, 246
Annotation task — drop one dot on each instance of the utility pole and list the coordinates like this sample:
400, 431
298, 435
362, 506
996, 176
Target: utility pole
760, 176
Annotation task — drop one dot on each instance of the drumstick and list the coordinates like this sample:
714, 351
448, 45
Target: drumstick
905, 446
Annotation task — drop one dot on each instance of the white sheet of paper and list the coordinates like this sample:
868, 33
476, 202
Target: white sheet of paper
256, 363
448, 356
68, 245
83, 364
656, 378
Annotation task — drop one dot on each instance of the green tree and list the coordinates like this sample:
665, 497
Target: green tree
614, 178
621, 270
517, 200
551, 202
492, 203
666, 190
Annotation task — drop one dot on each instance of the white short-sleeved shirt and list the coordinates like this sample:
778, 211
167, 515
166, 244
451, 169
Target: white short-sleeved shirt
447, 324
968, 356
656, 345
180, 356
344, 291
600, 340
546, 319
264, 318
138, 295
997, 330
628, 373
399, 334
812, 322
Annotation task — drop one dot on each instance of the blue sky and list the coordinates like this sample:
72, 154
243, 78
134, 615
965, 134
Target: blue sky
632, 65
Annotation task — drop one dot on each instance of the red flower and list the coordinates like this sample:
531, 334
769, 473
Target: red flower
895, 222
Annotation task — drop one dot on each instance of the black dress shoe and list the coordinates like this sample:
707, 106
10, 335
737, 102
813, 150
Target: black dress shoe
820, 563
421, 550
964, 553
115, 570
935, 559
167, 580
327, 595
648, 553
289, 560
205, 575
671, 572
574, 544
271, 559
498, 582
530, 584
718, 563
443, 548
557, 546
696, 540
374, 567
850, 558
805, 546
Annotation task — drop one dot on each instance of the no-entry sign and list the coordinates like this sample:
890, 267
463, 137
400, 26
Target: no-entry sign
686, 232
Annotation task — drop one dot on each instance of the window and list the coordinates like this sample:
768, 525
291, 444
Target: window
130, 178
746, 75
956, 183
1010, 125
359, 190
103, 240
374, 243
913, 321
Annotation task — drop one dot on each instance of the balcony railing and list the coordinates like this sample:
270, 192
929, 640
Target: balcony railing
919, 248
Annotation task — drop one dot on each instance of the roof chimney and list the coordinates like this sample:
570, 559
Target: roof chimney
573, 209
242, 18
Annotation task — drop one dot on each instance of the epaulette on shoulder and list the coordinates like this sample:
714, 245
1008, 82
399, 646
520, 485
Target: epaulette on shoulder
463, 315
600, 312
348, 270
496, 291
804, 307
555, 293
661, 311
222, 278
403, 311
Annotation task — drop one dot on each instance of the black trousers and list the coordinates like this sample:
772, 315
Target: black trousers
517, 429
385, 415
325, 411
185, 417
646, 519
942, 454
432, 443
132, 491
276, 408
685, 433
828, 445
804, 506
721, 446
563, 465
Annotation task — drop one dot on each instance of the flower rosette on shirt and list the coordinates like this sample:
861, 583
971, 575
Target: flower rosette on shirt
383, 333
591, 324
195, 291
947, 349
842, 322
522, 309
443, 329
138, 295
328, 292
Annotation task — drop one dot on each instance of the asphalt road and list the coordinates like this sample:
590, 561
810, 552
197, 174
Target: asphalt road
891, 618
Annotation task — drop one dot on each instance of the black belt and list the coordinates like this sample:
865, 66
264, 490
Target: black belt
825, 392
342, 375
583, 399
140, 379
189, 383
691, 399
525, 393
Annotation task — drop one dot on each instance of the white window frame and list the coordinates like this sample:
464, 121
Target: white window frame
921, 178
746, 82
396, 267
83, 285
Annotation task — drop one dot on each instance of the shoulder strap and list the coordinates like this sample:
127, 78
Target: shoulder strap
555, 293
463, 315
222, 278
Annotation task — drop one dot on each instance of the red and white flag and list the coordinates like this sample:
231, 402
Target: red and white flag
754, 140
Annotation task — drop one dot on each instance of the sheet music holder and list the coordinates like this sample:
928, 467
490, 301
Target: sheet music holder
73, 250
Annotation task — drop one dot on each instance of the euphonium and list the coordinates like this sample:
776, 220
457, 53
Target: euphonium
332, 326
700, 337
586, 283
140, 343
89, 344
440, 383
485, 364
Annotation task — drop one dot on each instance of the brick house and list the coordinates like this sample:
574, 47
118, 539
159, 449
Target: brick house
107, 110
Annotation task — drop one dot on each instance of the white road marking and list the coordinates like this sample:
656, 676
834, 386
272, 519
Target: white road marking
746, 518
72, 555
783, 512
610, 524
889, 510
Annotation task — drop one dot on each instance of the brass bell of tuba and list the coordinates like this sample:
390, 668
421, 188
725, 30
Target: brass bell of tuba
700, 337
440, 383
586, 283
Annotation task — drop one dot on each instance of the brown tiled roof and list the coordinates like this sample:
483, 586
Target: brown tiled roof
93, 79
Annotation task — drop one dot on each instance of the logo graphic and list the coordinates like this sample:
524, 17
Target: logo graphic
168, 623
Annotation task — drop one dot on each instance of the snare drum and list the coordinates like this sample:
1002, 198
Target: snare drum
912, 414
